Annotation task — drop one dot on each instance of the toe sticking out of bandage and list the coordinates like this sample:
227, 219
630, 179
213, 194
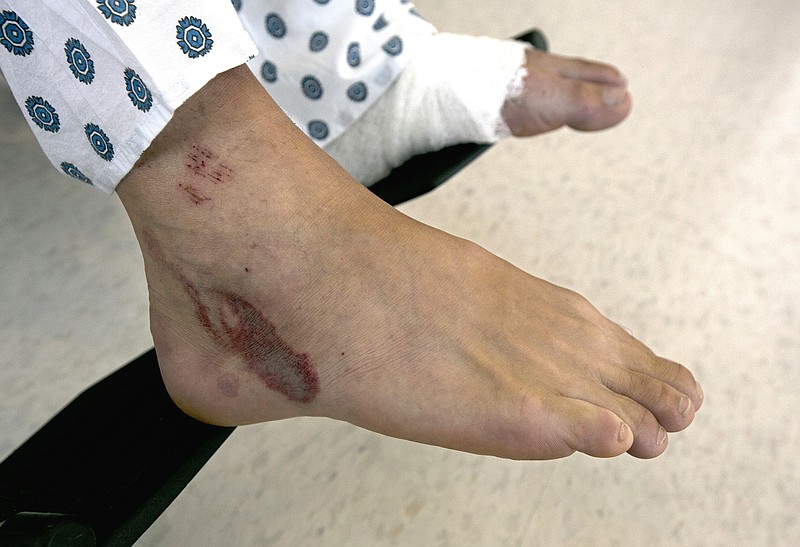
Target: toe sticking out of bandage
424, 172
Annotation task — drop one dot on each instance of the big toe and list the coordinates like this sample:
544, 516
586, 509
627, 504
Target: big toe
592, 95
550, 101
590, 106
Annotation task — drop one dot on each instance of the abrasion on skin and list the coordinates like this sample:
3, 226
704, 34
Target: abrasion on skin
240, 328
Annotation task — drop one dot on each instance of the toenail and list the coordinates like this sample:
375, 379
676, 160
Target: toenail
623, 432
683, 406
661, 437
700, 393
614, 95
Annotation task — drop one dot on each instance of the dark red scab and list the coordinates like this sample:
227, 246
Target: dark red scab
241, 328
203, 166
204, 163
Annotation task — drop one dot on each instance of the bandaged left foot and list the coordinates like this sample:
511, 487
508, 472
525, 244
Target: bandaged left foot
478, 89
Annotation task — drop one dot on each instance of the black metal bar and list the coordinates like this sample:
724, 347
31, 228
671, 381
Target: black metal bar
114, 458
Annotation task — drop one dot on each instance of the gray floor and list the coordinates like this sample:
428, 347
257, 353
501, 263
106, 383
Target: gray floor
681, 225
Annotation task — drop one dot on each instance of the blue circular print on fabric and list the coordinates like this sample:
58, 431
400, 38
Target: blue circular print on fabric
237, 4
380, 23
322, 1
357, 92
79, 61
138, 92
354, 54
275, 25
318, 130
43, 114
269, 72
75, 173
318, 41
15, 35
393, 46
99, 141
365, 7
312, 88
194, 38
121, 12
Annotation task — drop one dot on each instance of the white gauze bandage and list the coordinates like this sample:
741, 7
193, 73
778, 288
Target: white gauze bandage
453, 91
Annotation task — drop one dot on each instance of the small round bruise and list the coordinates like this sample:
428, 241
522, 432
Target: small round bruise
228, 384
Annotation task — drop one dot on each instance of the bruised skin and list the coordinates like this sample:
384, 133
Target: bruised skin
238, 327
291, 290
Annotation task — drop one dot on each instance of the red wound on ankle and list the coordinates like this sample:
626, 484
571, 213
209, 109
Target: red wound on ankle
241, 328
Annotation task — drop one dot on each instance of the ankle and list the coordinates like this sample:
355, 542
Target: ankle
202, 131
228, 164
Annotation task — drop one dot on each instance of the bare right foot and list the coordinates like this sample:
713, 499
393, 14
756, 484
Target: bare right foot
280, 287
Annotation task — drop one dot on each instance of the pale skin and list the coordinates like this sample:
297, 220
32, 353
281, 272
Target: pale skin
280, 287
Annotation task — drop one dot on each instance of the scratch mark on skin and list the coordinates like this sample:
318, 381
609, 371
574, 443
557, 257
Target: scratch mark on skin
205, 163
194, 194
239, 327
204, 166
